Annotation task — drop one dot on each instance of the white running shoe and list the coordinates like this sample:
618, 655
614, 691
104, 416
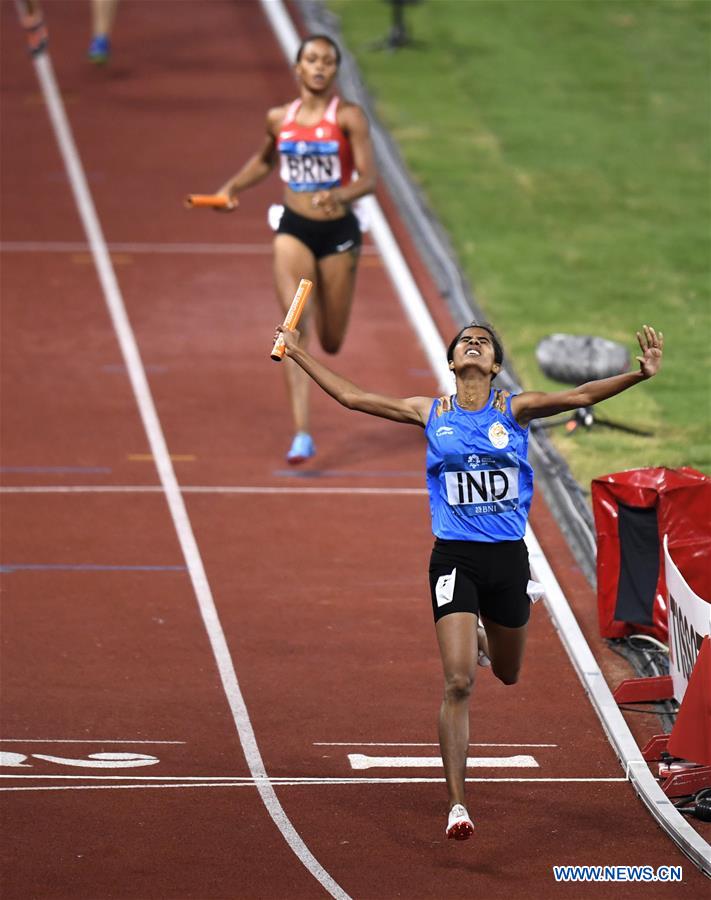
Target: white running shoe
459, 825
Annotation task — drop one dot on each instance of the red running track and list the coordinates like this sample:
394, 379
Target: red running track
320, 585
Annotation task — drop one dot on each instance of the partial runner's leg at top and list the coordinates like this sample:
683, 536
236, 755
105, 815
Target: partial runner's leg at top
292, 262
332, 309
103, 13
505, 649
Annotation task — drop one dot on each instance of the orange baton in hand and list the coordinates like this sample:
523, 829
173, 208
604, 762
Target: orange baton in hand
213, 201
293, 316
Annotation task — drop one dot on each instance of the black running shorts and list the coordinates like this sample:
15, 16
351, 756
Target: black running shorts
323, 237
489, 580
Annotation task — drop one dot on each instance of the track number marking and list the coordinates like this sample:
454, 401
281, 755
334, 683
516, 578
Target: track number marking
93, 761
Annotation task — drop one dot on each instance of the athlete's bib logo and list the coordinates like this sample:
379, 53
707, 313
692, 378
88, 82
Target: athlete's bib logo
498, 436
444, 589
483, 491
310, 165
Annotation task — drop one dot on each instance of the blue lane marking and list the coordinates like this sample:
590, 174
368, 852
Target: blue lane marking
339, 473
84, 567
93, 470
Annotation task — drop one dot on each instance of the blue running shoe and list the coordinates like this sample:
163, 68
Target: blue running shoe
99, 49
302, 448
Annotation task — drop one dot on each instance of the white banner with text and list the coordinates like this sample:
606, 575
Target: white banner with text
689, 623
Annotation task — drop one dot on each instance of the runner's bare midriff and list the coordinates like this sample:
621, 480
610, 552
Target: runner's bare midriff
301, 202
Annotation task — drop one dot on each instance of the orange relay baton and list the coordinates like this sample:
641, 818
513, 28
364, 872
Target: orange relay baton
212, 201
293, 316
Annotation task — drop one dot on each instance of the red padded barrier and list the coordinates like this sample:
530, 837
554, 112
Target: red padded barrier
682, 500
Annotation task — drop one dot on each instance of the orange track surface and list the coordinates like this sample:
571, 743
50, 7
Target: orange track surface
322, 596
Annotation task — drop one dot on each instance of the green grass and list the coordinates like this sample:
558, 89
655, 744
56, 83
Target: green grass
565, 146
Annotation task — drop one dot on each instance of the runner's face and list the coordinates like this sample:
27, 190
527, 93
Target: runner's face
476, 348
317, 67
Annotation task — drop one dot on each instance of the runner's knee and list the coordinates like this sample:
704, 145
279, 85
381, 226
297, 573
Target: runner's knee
458, 686
330, 334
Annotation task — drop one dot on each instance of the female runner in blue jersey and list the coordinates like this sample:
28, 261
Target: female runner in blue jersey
320, 141
480, 485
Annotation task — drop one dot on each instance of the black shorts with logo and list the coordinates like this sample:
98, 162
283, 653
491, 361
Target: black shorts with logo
487, 579
323, 237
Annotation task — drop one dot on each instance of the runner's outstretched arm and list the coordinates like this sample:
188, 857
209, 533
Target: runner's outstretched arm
410, 410
538, 404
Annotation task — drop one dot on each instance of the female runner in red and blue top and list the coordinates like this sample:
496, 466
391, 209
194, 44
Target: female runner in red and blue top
319, 141
480, 486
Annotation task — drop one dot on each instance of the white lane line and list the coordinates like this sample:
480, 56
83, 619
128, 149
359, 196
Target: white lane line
206, 489
158, 447
235, 249
305, 779
305, 782
81, 741
361, 761
245, 778
181, 249
412, 744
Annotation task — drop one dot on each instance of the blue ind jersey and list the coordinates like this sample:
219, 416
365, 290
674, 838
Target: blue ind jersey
478, 477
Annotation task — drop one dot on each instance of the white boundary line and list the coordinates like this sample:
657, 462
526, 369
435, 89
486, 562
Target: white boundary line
80, 741
572, 637
362, 761
300, 782
178, 512
411, 744
303, 779
206, 489
235, 249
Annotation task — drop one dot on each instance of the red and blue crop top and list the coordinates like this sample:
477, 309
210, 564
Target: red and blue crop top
314, 157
